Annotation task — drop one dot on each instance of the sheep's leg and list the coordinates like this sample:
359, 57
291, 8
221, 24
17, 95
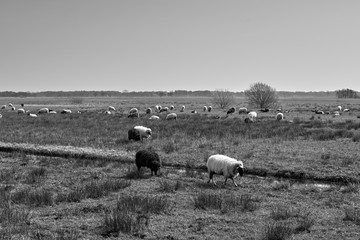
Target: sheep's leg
234, 182
211, 174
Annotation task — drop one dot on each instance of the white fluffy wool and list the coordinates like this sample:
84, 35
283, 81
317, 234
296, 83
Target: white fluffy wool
223, 165
143, 131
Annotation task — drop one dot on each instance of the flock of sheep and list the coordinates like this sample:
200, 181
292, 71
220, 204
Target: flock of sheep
216, 164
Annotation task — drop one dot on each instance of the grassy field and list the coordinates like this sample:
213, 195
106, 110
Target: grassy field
72, 176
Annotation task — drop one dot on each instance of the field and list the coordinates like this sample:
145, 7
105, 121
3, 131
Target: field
72, 176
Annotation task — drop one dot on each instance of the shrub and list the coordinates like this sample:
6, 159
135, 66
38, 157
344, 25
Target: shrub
277, 230
39, 197
35, 175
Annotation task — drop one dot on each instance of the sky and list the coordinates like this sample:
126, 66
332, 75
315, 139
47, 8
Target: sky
167, 45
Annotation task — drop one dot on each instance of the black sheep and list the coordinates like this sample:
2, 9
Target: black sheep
148, 158
134, 134
231, 110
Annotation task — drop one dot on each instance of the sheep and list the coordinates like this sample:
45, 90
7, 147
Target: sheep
252, 115
148, 111
148, 158
111, 108
319, 112
224, 165
154, 117
43, 110
133, 111
231, 110
171, 116
165, 109
243, 110
346, 110
182, 108
65, 111
339, 108
172, 107
193, 111
52, 111
11, 105
279, 116
107, 112
13, 108
209, 108
138, 133
33, 115
3, 106
205, 108
264, 110
20, 111
158, 108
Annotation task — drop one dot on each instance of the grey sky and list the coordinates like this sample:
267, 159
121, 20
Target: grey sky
150, 45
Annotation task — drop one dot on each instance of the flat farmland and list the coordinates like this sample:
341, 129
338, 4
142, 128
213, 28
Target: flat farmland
72, 176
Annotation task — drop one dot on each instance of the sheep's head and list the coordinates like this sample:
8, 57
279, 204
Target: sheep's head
155, 166
239, 168
148, 132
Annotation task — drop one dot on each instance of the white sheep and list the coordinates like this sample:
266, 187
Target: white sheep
346, 110
209, 108
20, 111
111, 108
243, 110
205, 108
43, 110
279, 116
133, 111
107, 112
52, 111
3, 106
148, 111
339, 108
33, 115
158, 108
154, 117
182, 108
252, 115
144, 132
172, 107
164, 109
224, 165
171, 116
65, 111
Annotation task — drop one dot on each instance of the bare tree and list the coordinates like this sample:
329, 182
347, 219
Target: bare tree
261, 95
223, 98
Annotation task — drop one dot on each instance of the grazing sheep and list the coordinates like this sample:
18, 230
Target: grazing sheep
158, 108
154, 117
279, 116
43, 110
134, 115
205, 108
231, 110
339, 108
33, 115
224, 165
165, 109
138, 133
65, 111
172, 107
133, 110
148, 158
108, 112
336, 113
319, 112
11, 105
171, 116
193, 111
3, 106
20, 111
182, 108
148, 111
111, 108
209, 108
346, 110
52, 111
252, 115
13, 108
243, 110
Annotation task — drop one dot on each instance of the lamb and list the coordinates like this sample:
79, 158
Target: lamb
209, 108
148, 158
43, 110
279, 116
182, 108
171, 116
231, 110
224, 165
154, 117
138, 133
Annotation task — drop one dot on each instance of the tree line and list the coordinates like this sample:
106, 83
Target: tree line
346, 93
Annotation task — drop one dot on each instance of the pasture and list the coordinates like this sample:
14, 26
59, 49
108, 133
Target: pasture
72, 176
